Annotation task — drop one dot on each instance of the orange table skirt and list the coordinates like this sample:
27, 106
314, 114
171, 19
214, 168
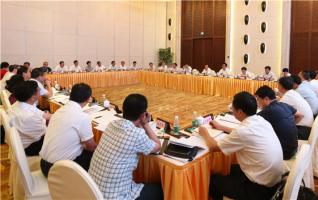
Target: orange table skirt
96, 79
224, 87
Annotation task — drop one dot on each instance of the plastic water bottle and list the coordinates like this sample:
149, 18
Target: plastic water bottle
194, 119
176, 125
56, 85
105, 101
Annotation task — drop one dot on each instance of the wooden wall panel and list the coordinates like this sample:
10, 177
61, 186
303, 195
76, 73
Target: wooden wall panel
209, 18
304, 36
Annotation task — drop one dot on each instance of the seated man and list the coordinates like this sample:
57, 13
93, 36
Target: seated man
122, 66
245, 74
303, 87
112, 66
118, 151
294, 99
27, 64
61, 68
99, 67
134, 66
285, 73
268, 75
75, 67
282, 118
314, 81
207, 71
38, 76
29, 121
224, 71
11, 85
69, 135
151, 67
89, 67
258, 151
46, 67
187, 69
24, 72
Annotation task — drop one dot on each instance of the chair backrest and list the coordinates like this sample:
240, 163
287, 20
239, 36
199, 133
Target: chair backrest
6, 124
68, 180
297, 172
312, 140
21, 160
5, 100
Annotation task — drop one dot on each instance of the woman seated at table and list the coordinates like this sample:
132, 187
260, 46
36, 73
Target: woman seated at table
29, 121
255, 143
116, 156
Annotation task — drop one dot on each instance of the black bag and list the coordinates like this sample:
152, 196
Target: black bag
181, 151
304, 193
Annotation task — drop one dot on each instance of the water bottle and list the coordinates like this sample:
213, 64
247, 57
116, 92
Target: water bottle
176, 125
70, 88
194, 119
105, 101
56, 85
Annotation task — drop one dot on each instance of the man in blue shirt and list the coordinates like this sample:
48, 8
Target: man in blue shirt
282, 118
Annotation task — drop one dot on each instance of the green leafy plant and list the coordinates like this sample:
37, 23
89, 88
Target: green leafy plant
165, 55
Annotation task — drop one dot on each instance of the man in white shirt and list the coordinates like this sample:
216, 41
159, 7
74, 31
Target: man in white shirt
285, 73
12, 71
268, 75
29, 121
61, 68
122, 66
245, 74
255, 143
225, 71
314, 81
75, 67
117, 154
207, 71
151, 67
39, 77
304, 88
294, 99
99, 67
69, 135
187, 69
162, 67
112, 66
89, 67
134, 66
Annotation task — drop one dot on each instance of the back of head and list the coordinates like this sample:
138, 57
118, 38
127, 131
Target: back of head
21, 70
245, 102
13, 67
285, 70
134, 105
305, 74
4, 65
268, 67
286, 82
37, 72
80, 92
25, 90
312, 74
296, 79
13, 82
264, 92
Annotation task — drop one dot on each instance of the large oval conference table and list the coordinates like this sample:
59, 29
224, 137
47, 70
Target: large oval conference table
188, 180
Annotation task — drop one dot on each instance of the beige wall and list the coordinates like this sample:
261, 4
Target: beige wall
84, 30
272, 37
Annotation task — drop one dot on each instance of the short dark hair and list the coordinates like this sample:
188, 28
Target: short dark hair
265, 91
13, 82
134, 105
22, 69
61, 61
225, 64
25, 90
175, 64
246, 102
80, 92
306, 75
75, 61
13, 67
285, 70
296, 79
150, 63
26, 63
244, 68
286, 82
99, 62
112, 62
37, 72
4, 65
268, 67
135, 62
88, 62
313, 74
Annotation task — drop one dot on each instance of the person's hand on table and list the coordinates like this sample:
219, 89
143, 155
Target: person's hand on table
210, 141
216, 125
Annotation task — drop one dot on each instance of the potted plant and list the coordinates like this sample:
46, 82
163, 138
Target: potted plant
165, 55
